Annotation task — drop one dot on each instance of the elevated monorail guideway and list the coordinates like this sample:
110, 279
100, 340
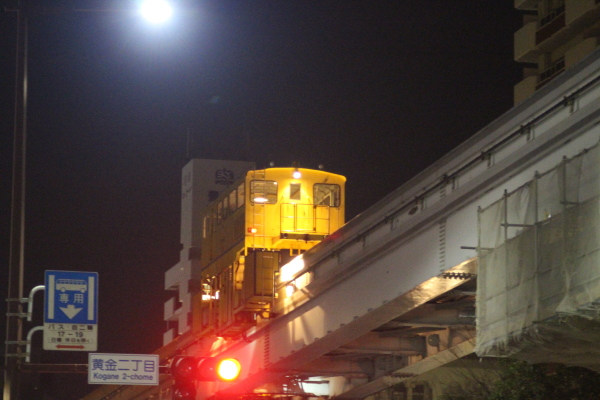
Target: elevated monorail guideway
394, 293
414, 253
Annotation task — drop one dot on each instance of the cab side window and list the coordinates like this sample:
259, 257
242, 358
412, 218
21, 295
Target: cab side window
241, 193
327, 195
263, 192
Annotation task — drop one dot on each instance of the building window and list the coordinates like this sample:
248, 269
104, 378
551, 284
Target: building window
212, 195
418, 393
399, 392
411, 391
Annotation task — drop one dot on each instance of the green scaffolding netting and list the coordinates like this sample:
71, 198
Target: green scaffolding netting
538, 285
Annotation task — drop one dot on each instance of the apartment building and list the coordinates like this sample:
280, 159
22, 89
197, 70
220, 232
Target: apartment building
556, 35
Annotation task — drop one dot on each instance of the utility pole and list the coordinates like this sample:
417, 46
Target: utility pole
16, 269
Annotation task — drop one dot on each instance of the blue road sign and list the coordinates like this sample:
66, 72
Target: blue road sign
71, 297
71, 311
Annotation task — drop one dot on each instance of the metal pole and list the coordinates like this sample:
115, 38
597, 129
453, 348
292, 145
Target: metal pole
29, 339
14, 328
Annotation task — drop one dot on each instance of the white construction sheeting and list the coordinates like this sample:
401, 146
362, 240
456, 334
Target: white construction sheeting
538, 294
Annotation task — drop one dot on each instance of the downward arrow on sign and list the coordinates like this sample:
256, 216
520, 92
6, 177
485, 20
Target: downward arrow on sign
70, 310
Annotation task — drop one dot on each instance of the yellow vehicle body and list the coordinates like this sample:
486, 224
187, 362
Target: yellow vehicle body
258, 224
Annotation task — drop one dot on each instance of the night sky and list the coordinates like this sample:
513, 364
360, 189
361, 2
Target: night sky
374, 90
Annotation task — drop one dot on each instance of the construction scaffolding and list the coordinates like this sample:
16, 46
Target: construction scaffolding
538, 285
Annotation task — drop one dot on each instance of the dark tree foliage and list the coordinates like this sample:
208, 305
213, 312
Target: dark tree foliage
524, 381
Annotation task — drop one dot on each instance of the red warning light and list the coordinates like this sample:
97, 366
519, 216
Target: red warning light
187, 370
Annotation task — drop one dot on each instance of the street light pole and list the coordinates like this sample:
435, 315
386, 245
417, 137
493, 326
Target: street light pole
14, 328
157, 11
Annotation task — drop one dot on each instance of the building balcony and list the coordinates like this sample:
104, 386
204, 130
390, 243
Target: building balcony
525, 88
581, 12
526, 4
551, 72
526, 50
554, 29
533, 82
580, 51
550, 25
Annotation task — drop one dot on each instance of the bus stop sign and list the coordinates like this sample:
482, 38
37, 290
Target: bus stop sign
71, 311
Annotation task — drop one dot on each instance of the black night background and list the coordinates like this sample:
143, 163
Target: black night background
374, 90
